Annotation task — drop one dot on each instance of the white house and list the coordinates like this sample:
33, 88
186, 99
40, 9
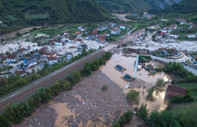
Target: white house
52, 60
1, 22
122, 27
191, 36
115, 31
175, 36
58, 43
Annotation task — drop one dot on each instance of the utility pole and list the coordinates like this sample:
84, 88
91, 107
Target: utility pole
136, 64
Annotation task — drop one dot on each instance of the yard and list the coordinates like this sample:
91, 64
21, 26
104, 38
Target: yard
187, 113
192, 87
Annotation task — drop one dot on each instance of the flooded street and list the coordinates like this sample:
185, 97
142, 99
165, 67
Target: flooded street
144, 80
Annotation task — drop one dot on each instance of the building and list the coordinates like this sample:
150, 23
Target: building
175, 36
69, 55
79, 41
115, 31
119, 68
122, 27
175, 91
52, 60
95, 32
30, 63
101, 38
191, 36
11, 59
21, 73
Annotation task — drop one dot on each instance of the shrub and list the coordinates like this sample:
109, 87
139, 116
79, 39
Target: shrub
133, 96
104, 88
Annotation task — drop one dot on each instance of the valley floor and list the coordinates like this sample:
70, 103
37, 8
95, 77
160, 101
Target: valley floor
85, 105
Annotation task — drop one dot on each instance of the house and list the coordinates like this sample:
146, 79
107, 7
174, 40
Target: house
49, 54
175, 91
95, 32
101, 38
52, 60
82, 47
112, 25
77, 32
58, 43
71, 40
164, 32
182, 21
1, 22
11, 59
107, 34
21, 73
115, 31
175, 36
79, 41
30, 63
122, 27
191, 36
69, 55
22, 50
191, 25
119, 68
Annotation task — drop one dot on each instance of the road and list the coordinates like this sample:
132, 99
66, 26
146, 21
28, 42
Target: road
188, 68
46, 81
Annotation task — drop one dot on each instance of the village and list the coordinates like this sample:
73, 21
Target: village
31, 52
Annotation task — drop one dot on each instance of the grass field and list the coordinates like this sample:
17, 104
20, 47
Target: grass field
187, 113
58, 29
192, 87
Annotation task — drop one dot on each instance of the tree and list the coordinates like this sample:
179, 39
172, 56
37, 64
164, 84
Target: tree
133, 96
125, 118
143, 112
116, 124
74, 77
18, 34
160, 83
4, 122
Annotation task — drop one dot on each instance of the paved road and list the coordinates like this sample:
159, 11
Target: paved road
188, 68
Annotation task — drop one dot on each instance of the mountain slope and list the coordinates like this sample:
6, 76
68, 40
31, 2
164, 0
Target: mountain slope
123, 6
37, 12
183, 7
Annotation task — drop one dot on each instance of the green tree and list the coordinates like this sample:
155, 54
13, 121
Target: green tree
133, 96
143, 112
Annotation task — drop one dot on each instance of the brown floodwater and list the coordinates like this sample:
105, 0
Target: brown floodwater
143, 82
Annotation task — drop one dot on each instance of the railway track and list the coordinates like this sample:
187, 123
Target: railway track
27, 91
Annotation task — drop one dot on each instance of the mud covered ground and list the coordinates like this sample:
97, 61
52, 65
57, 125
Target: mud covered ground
84, 106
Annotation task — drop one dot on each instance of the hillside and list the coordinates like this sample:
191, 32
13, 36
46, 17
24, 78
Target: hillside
184, 7
124, 6
39, 12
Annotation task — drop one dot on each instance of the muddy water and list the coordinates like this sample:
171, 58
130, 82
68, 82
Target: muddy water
143, 82
128, 63
159, 102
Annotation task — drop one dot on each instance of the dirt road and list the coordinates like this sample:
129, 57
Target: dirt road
22, 31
